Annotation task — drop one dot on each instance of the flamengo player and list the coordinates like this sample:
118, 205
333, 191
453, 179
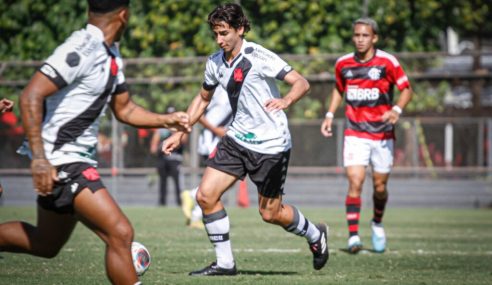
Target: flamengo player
367, 77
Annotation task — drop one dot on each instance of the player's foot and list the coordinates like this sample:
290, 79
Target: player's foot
187, 204
354, 244
214, 270
197, 225
320, 248
378, 237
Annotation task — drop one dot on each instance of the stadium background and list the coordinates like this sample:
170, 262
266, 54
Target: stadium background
445, 47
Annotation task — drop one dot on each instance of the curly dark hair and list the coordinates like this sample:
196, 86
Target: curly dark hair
230, 13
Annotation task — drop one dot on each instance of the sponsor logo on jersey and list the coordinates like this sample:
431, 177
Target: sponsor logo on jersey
354, 93
248, 138
48, 70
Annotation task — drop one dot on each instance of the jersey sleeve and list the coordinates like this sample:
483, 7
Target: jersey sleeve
121, 85
64, 65
339, 80
398, 76
271, 65
210, 78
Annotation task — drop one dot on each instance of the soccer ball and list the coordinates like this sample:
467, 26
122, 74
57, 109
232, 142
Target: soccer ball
141, 258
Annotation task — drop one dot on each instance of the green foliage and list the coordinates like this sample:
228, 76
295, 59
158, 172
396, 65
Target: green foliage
31, 29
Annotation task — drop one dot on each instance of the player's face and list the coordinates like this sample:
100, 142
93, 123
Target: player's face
228, 38
364, 38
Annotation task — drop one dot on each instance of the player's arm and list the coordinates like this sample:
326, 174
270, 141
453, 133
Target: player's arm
216, 130
195, 111
299, 87
128, 112
392, 116
31, 106
336, 100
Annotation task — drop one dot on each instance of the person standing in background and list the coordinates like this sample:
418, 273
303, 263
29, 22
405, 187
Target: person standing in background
367, 78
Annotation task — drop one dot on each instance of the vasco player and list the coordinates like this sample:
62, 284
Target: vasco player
60, 110
257, 142
366, 78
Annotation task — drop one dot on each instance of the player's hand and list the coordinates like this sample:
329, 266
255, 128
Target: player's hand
390, 116
171, 143
276, 104
326, 127
6, 105
43, 176
178, 121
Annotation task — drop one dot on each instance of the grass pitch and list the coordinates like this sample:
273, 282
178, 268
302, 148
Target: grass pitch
425, 246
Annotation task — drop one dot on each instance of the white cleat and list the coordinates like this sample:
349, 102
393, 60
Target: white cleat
378, 237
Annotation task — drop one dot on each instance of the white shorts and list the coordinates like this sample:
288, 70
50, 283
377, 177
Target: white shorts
359, 151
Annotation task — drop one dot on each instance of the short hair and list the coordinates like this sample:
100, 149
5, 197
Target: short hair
367, 21
230, 13
106, 6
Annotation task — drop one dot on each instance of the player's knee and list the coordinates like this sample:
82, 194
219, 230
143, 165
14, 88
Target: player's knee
269, 216
122, 234
204, 201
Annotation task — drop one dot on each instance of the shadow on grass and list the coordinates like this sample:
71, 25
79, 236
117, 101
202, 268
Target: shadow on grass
362, 251
269, 272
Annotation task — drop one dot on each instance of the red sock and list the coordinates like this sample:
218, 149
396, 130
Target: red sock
352, 206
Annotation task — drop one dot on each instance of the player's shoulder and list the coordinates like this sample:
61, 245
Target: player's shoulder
387, 56
345, 58
80, 46
216, 57
258, 53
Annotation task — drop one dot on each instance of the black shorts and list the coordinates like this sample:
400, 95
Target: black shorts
73, 178
267, 171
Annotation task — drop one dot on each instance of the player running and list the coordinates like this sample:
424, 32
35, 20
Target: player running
60, 110
257, 142
366, 78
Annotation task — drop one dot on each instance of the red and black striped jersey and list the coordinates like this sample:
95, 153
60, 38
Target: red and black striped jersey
368, 91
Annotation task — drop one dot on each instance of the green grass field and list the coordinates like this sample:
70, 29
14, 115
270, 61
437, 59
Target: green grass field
425, 246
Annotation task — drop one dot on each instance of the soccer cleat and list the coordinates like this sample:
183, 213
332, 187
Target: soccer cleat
214, 270
320, 248
378, 237
187, 204
354, 244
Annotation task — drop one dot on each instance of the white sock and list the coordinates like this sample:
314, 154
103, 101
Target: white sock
217, 227
303, 227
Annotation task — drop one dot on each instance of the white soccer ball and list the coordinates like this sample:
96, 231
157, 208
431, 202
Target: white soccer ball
141, 258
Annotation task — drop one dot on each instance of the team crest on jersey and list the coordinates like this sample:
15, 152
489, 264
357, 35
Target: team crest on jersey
238, 75
374, 73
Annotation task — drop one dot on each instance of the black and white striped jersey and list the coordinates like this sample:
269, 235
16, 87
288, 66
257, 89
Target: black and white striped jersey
250, 81
87, 72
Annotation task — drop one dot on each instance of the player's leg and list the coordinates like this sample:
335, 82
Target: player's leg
46, 239
269, 172
214, 183
174, 166
382, 162
161, 168
356, 155
100, 213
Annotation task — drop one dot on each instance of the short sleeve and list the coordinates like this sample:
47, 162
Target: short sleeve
339, 80
270, 64
121, 85
63, 66
396, 74
210, 78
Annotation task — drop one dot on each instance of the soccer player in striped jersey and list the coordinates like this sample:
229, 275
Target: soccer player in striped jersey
257, 142
366, 79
